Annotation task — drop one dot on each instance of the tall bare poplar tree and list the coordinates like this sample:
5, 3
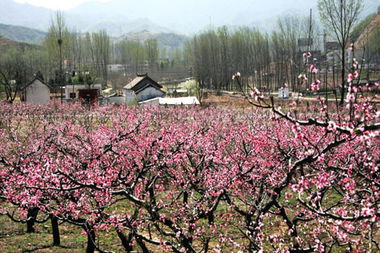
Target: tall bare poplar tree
101, 51
340, 16
56, 44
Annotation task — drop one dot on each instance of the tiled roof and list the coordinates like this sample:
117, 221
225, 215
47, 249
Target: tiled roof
134, 82
141, 82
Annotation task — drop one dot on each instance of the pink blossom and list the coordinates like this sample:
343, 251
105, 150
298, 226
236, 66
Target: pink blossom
308, 54
179, 165
351, 48
314, 86
313, 69
331, 126
368, 211
350, 78
350, 97
288, 195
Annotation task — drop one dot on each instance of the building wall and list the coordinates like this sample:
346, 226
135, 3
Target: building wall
76, 87
146, 94
283, 93
149, 102
37, 93
149, 93
129, 96
119, 100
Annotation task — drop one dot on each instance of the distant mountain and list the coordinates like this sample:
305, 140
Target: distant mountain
191, 16
33, 36
165, 40
170, 39
369, 29
14, 13
185, 17
84, 18
7, 43
115, 28
22, 34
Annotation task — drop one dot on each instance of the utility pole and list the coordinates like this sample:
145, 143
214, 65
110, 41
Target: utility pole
60, 63
60, 26
309, 40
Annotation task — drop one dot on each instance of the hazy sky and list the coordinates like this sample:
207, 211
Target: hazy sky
181, 16
58, 4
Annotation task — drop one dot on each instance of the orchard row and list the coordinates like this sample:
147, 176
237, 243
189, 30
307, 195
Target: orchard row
194, 179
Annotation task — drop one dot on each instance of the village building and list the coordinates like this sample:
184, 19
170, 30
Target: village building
83, 92
36, 92
283, 92
142, 88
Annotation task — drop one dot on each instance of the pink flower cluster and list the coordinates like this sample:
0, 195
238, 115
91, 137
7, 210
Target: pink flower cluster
182, 175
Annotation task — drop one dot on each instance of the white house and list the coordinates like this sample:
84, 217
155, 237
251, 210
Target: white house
283, 92
37, 92
142, 88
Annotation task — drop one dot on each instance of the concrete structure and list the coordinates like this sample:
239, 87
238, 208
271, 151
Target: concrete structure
83, 91
333, 57
128, 68
117, 67
37, 92
283, 93
171, 101
142, 88
113, 100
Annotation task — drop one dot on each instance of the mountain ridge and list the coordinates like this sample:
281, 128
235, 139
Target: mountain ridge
164, 40
371, 27
33, 36
22, 34
6, 43
188, 17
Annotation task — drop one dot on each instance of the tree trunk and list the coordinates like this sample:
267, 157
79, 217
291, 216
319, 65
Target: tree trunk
343, 76
142, 245
31, 219
90, 241
125, 241
55, 229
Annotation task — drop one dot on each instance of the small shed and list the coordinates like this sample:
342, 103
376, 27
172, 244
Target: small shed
283, 92
142, 88
171, 101
85, 92
37, 92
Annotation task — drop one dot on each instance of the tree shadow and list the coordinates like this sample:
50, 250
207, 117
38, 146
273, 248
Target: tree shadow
7, 235
44, 247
